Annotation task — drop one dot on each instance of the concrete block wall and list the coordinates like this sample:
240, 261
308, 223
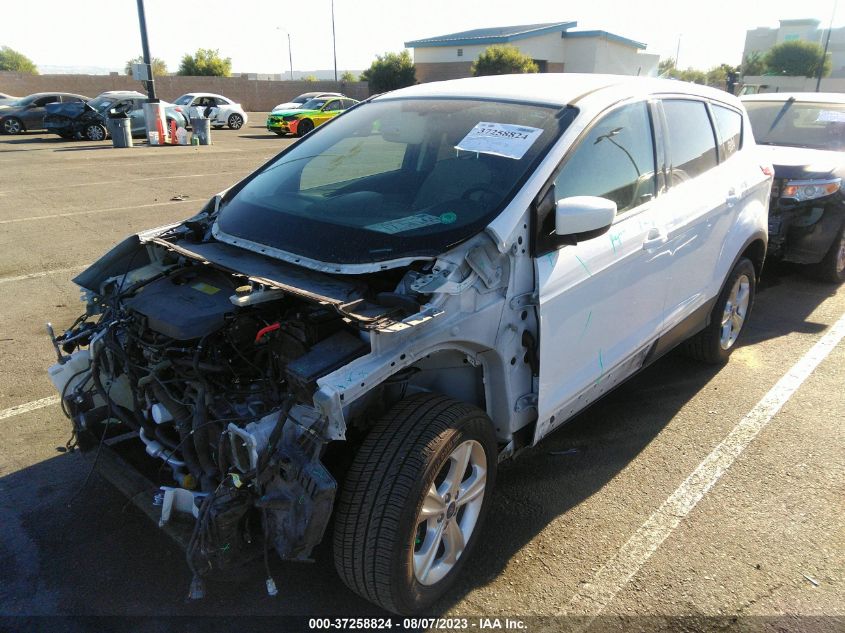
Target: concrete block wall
254, 95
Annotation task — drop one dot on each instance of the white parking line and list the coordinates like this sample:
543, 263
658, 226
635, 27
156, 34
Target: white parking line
71, 214
593, 598
29, 406
119, 181
43, 273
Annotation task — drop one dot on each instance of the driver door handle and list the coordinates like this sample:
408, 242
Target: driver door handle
654, 240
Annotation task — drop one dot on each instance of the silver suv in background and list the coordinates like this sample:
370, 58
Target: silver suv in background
369, 323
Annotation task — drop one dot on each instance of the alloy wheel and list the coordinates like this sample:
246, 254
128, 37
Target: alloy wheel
736, 309
450, 513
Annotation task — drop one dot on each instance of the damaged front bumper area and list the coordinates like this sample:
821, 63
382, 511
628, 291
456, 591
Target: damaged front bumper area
193, 385
801, 230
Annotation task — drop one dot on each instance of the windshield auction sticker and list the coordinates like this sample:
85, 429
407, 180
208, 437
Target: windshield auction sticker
402, 225
500, 139
831, 116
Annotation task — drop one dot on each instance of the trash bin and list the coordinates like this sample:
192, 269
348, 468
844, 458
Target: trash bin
120, 128
202, 130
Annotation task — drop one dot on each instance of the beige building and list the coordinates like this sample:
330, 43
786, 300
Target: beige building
761, 39
555, 47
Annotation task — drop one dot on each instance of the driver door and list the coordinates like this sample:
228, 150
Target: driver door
33, 118
601, 301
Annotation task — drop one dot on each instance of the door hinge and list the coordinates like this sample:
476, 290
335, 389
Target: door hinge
523, 403
524, 300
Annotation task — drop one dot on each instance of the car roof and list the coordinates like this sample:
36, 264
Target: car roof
557, 88
815, 97
122, 94
48, 94
204, 94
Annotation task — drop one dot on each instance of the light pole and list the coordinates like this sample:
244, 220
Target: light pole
290, 51
826, 44
145, 45
334, 45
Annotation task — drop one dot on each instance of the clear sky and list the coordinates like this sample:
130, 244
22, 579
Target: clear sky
253, 33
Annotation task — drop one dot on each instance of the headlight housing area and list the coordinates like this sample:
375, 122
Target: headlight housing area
803, 190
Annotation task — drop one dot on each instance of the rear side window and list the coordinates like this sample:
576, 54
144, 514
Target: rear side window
614, 161
692, 146
728, 129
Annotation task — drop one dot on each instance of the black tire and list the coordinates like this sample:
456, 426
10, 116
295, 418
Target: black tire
235, 121
709, 346
305, 126
376, 528
95, 132
832, 267
13, 125
279, 132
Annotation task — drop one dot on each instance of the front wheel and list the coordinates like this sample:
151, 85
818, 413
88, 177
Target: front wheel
95, 132
714, 344
832, 267
305, 126
413, 502
235, 122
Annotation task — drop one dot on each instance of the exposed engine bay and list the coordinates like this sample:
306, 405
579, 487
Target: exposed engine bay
213, 373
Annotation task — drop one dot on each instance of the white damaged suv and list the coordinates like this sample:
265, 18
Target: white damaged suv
419, 289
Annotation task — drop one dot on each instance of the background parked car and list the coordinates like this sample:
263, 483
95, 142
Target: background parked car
298, 102
27, 114
302, 120
88, 120
803, 135
221, 110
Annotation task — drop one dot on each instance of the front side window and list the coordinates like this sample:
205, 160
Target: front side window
333, 105
615, 160
798, 124
393, 178
692, 146
729, 130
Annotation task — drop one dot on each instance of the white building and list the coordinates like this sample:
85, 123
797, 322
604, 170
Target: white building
553, 46
763, 38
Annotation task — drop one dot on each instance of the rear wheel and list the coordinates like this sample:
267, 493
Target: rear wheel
715, 343
235, 121
832, 267
95, 132
413, 502
305, 126
13, 125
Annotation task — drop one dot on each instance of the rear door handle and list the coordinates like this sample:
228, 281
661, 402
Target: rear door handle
654, 240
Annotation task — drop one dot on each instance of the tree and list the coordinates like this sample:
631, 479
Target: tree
666, 67
390, 71
503, 59
159, 67
718, 75
206, 62
16, 62
796, 59
753, 64
310, 78
348, 77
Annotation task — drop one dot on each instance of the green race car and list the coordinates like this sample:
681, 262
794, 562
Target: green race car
308, 116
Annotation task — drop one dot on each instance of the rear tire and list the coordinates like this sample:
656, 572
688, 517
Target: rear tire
13, 125
413, 502
714, 344
832, 267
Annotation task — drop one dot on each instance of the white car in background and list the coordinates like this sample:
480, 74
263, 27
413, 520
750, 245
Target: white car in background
221, 110
297, 102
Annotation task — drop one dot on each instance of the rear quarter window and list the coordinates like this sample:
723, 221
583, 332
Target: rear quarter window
728, 130
692, 145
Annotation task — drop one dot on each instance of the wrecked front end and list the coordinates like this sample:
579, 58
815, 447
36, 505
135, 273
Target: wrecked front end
69, 120
193, 373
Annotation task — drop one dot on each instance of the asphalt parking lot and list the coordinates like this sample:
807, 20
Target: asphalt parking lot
618, 521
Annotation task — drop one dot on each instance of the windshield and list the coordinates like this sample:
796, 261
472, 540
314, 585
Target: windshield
184, 100
301, 99
393, 178
101, 104
313, 104
798, 124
